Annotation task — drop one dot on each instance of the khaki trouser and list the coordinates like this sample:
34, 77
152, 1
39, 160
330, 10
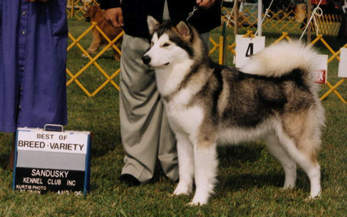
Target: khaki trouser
145, 132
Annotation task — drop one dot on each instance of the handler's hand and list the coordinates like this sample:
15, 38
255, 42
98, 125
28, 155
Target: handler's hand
115, 16
205, 3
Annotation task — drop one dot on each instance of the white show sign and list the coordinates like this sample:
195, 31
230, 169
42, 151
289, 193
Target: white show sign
50, 141
52, 161
246, 47
342, 73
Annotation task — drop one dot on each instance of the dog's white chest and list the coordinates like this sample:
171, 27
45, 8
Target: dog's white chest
184, 119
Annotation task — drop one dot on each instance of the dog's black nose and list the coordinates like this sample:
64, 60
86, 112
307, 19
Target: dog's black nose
146, 59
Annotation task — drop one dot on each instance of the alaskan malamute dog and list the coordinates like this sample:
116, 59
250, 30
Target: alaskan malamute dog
273, 98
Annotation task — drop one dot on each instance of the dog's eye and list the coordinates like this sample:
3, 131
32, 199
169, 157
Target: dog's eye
165, 45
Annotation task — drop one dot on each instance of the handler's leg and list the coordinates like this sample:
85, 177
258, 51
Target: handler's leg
144, 127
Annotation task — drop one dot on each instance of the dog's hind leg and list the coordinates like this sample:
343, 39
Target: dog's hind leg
205, 171
185, 165
115, 52
288, 164
302, 150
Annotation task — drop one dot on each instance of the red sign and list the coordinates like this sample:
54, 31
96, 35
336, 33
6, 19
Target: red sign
321, 77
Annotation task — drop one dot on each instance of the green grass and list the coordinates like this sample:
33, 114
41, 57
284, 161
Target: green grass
249, 178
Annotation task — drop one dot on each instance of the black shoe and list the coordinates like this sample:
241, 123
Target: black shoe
129, 180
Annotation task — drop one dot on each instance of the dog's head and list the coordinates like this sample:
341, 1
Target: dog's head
90, 12
170, 43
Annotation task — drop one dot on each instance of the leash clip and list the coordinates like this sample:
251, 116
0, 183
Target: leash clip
190, 14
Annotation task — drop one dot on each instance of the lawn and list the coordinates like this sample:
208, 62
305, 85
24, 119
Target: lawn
249, 179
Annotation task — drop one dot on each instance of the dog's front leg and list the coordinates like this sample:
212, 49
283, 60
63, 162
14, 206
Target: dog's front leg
206, 163
96, 41
185, 165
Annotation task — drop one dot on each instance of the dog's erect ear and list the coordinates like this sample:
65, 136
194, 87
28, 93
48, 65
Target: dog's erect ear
184, 30
153, 24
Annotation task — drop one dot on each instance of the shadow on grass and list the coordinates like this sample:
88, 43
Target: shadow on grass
4, 159
237, 182
235, 155
6, 140
103, 143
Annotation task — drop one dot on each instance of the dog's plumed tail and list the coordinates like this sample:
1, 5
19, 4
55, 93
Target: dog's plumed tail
282, 58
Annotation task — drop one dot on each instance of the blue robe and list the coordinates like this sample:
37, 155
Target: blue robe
33, 41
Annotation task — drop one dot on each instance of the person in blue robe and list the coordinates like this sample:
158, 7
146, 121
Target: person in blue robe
33, 41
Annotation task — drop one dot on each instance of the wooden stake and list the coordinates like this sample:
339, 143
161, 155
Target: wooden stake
236, 16
309, 14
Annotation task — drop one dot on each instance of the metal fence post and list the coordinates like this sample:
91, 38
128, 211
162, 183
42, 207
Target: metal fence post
260, 12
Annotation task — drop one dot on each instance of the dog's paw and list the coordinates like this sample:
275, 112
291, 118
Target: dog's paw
192, 204
199, 199
287, 187
312, 198
314, 195
182, 189
84, 56
197, 202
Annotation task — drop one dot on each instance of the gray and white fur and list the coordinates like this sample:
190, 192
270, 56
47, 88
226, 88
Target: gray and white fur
272, 98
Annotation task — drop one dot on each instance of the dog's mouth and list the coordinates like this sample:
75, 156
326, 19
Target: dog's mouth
159, 66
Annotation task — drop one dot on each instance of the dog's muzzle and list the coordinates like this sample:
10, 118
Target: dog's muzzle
146, 59
87, 19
